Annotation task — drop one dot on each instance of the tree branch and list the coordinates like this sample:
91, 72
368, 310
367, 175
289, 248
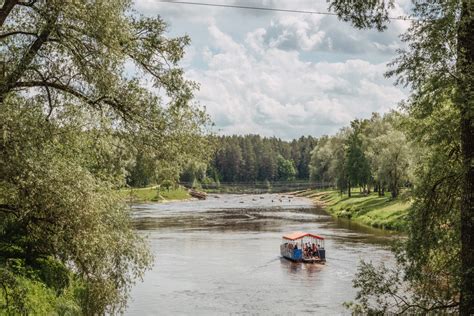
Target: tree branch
4, 35
24, 63
6, 9
10, 209
27, 3
114, 103
48, 93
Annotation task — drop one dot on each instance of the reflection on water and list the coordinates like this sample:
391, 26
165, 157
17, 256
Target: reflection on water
221, 256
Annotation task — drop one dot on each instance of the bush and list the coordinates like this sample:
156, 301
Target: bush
167, 184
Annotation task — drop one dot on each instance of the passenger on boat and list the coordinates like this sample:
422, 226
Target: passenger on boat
315, 250
307, 250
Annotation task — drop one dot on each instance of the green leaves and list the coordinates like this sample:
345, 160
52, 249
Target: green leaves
66, 207
74, 115
363, 14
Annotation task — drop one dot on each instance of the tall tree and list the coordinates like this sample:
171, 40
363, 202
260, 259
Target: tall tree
356, 164
71, 118
328, 160
438, 63
392, 160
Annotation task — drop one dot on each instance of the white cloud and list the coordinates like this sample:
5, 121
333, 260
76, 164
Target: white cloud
284, 74
251, 88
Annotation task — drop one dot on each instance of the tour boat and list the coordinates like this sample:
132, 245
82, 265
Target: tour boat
303, 247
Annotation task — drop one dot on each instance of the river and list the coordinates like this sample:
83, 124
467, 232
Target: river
221, 256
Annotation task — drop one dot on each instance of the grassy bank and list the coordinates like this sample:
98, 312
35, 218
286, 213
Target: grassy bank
373, 210
152, 194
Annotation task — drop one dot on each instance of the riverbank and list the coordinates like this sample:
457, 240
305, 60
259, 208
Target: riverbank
152, 194
373, 210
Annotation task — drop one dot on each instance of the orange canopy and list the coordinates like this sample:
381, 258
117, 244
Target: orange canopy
299, 235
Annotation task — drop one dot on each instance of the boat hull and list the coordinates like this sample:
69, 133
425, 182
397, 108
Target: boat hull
305, 260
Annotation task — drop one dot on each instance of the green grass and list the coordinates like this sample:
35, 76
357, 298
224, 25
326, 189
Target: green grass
151, 194
373, 210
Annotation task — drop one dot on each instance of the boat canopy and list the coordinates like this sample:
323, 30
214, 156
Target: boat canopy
299, 235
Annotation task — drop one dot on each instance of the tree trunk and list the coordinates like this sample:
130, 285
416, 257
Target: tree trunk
465, 103
394, 192
349, 188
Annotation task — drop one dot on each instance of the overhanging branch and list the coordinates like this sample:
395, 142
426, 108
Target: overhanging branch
6, 9
7, 34
113, 102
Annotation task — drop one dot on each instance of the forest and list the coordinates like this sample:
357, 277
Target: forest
235, 159
253, 158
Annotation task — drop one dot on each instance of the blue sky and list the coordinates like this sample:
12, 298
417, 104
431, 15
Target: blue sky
283, 74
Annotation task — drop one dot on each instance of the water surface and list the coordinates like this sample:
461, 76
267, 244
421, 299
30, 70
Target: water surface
221, 256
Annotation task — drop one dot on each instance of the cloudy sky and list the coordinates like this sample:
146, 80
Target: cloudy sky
283, 74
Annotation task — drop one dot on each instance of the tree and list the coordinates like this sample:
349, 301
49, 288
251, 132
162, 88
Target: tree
328, 160
249, 168
267, 163
356, 164
285, 169
142, 171
393, 160
194, 171
321, 158
71, 120
388, 151
438, 65
301, 155
58, 203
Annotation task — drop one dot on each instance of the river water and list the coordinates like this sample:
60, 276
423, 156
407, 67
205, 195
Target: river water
222, 256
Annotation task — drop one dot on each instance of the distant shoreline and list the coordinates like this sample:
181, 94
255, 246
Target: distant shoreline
155, 195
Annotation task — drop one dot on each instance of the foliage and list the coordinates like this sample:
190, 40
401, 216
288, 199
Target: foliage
363, 14
25, 292
356, 164
57, 202
252, 158
73, 125
194, 170
371, 152
383, 290
328, 160
285, 169
437, 64
167, 184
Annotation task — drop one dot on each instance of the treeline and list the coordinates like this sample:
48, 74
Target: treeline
370, 153
253, 158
